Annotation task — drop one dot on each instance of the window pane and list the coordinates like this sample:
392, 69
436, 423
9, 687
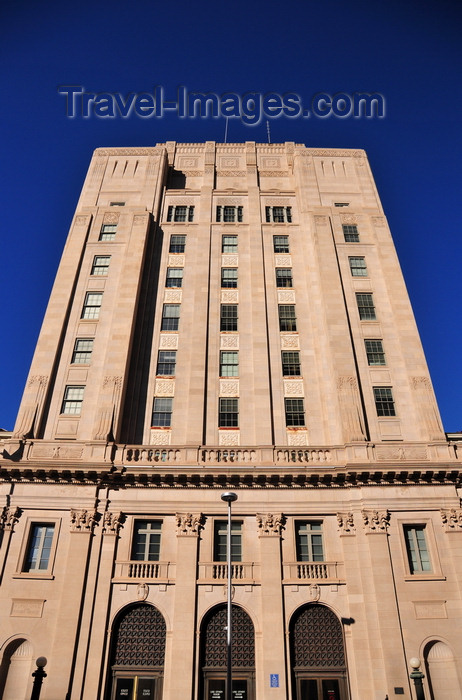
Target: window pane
180, 214
108, 232
229, 214
358, 266
308, 539
174, 277
284, 277
229, 244
146, 540
281, 244
375, 353
100, 264
177, 244
170, 317
39, 547
162, 412
228, 317
295, 412
72, 402
366, 307
287, 321
220, 540
291, 364
350, 233
229, 366
384, 401
166, 362
229, 277
417, 550
228, 413
92, 305
82, 351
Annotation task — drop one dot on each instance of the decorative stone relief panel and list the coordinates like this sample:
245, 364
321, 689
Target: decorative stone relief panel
81, 220
376, 520
320, 220
230, 201
140, 219
229, 163
229, 342
180, 201
189, 523
452, 519
348, 218
111, 218
278, 201
293, 387
229, 387
346, 523
27, 607
297, 437
229, 260
83, 520
9, 517
187, 163
402, 453
112, 522
160, 437
228, 437
168, 341
286, 297
231, 296
427, 406
176, 260
290, 342
283, 260
271, 163
172, 296
378, 220
165, 387
270, 523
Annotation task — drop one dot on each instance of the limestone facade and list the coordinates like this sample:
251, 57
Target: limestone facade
229, 317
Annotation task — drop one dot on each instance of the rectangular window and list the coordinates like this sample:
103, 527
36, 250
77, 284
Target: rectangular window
146, 540
180, 214
228, 413
284, 277
220, 549
341, 204
417, 549
308, 538
287, 320
230, 214
39, 547
174, 277
375, 353
350, 233
162, 413
166, 361
72, 402
177, 244
229, 244
229, 364
281, 244
116, 204
92, 305
82, 351
295, 412
170, 317
228, 317
366, 307
358, 266
278, 215
100, 265
384, 403
108, 232
229, 277
291, 364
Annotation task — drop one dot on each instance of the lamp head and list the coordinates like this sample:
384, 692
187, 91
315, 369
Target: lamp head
414, 662
41, 661
229, 497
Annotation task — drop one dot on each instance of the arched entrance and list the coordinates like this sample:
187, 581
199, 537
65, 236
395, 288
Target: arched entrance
441, 670
137, 654
16, 670
214, 655
317, 655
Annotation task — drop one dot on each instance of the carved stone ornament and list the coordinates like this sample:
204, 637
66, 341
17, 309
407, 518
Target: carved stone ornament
81, 220
270, 523
112, 381
111, 218
314, 592
376, 520
378, 220
41, 379
320, 220
9, 517
189, 523
83, 520
112, 522
346, 523
142, 591
348, 219
139, 219
452, 519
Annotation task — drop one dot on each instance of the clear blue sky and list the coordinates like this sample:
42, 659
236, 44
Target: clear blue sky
410, 52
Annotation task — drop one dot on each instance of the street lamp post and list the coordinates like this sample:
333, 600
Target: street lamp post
229, 497
38, 676
417, 676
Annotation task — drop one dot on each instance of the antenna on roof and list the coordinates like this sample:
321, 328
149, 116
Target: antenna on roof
268, 131
226, 130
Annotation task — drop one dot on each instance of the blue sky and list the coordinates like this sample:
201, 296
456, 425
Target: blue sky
408, 51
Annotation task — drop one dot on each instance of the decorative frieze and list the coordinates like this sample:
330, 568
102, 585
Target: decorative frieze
172, 296
176, 260
112, 522
229, 342
290, 342
283, 260
270, 523
293, 387
160, 437
111, 217
346, 523
286, 296
189, 523
229, 260
297, 437
231, 296
168, 341
376, 520
348, 218
399, 453
83, 520
165, 387
229, 387
229, 437
452, 519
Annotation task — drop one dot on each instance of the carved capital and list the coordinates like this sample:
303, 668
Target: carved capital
452, 519
112, 522
9, 517
189, 523
376, 520
346, 523
270, 523
83, 520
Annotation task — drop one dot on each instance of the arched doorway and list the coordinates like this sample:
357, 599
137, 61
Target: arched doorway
441, 670
16, 670
214, 654
317, 655
137, 654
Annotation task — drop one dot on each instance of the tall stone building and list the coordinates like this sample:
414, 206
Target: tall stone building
230, 317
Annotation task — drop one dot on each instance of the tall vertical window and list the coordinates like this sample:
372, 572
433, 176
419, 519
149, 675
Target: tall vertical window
177, 244
287, 320
170, 317
384, 402
358, 266
100, 265
166, 362
350, 233
366, 307
281, 244
180, 213
220, 549
229, 244
295, 412
162, 413
230, 214
146, 540
284, 277
174, 277
229, 277
73, 399
278, 215
228, 413
374, 352
229, 363
39, 547
417, 549
308, 539
92, 305
108, 232
82, 351
291, 363
228, 317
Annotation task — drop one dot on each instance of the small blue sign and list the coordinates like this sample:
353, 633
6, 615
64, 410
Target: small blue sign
274, 680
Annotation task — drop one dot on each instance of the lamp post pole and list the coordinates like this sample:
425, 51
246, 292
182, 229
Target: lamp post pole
417, 676
38, 676
229, 497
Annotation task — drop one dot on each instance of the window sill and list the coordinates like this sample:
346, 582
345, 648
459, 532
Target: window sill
46, 576
425, 577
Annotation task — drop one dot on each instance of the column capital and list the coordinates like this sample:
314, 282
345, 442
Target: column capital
9, 517
83, 520
376, 521
270, 523
452, 519
112, 522
346, 524
189, 523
